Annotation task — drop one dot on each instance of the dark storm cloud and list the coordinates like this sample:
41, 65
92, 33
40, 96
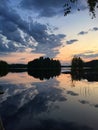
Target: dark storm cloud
71, 41
26, 34
82, 33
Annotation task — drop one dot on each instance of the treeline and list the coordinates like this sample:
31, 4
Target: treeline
40, 67
14, 66
36, 63
79, 64
47, 63
44, 63
92, 64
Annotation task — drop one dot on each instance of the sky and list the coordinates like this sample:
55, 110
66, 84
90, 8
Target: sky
33, 28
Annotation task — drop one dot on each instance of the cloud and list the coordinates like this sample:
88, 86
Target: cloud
44, 8
36, 97
35, 32
83, 102
34, 102
96, 105
71, 41
51, 8
72, 93
7, 45
41, 35
86, 32
88, 54
82, 33
48, 47
19, 33
95, 29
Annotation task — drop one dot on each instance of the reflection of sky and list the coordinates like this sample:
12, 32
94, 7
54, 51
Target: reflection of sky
29, 30
18, 78
58, 102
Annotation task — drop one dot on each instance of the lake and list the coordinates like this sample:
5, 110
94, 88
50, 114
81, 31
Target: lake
55, 103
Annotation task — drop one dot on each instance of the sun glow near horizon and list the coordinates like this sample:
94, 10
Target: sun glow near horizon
21, 57
86, 47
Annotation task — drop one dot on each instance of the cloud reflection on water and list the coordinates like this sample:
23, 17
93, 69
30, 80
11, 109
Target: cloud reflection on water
42, 105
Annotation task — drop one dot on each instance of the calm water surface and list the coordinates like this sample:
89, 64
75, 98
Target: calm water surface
58, 103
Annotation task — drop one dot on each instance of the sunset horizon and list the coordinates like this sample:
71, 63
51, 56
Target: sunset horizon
28, 32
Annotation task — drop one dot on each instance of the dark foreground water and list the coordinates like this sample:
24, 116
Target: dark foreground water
58, 103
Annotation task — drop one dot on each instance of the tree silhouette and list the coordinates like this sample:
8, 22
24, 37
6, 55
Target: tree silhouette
77, 63
92, 5
42, 63
44, 68
3, 68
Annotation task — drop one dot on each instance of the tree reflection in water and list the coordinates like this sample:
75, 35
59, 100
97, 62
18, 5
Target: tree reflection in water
44, 73
89, 74
37, 73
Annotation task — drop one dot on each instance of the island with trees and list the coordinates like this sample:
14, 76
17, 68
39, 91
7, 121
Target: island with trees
84, 70
44, 68
44, 63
